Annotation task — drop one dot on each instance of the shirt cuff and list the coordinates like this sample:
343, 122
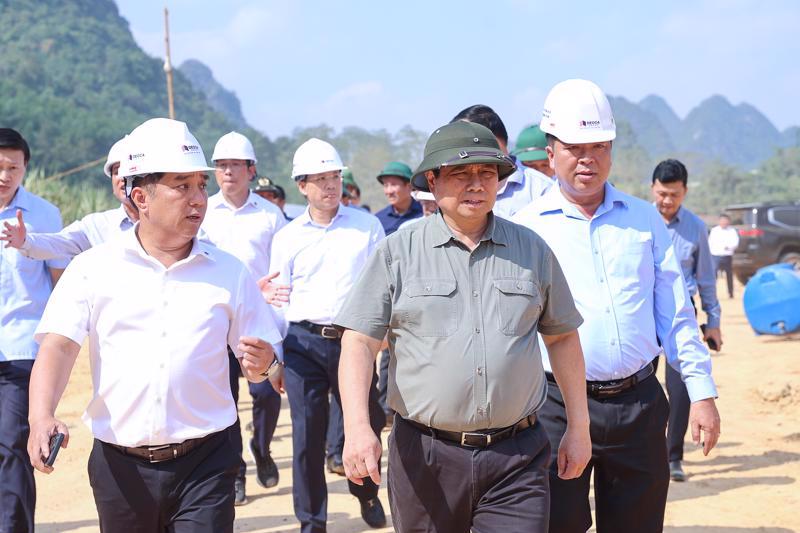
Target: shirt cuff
712, 321
701, 388
278, 349
570, 324
25, 249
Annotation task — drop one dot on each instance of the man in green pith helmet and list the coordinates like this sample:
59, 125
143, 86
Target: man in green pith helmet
461, 297
531, 151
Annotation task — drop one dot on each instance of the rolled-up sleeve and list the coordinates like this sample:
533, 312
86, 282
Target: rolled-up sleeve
368, 307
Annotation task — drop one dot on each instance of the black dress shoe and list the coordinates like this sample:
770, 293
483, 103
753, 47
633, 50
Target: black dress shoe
239, 496
676, 471
335, 464
372, 512
266, 470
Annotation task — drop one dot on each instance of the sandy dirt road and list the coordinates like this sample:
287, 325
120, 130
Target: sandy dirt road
750, 483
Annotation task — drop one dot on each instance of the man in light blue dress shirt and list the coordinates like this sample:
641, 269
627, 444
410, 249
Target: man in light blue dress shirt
25, 286
621, 267
690, 239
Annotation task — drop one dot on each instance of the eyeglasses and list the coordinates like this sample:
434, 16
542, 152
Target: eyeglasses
324, 179
233, 165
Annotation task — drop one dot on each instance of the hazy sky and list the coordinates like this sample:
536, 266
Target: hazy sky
378, 64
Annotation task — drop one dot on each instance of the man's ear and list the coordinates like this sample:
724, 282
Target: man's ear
301, 184
139, 198
430, 178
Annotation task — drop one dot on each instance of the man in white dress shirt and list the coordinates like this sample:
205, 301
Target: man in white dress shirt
91, 230
619, 262
243, 224
318, 257
723, 241
159, 306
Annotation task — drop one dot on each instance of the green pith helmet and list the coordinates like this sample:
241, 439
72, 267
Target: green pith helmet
462, 143
531, 144
395, 168
348, 179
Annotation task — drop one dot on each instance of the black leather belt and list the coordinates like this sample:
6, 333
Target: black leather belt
476, 439
327, 332
604, 389
164, 452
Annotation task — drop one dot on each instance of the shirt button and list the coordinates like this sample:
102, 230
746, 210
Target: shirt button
427, 288
480, 370
519, 285
613, 342
163, 333
158, 400
602, 280
477, 330
608, 309
475, 293
481, 410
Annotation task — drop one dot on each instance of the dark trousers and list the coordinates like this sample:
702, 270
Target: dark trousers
312, 366
678, 413
629, 462
17, 487
438, 486
724, 263
266, 410
334, 438
383, 381
190, 494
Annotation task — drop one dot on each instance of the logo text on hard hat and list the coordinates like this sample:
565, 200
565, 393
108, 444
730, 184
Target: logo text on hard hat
589, 124
131, 157
190, 148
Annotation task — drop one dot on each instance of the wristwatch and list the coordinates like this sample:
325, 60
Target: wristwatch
273, 367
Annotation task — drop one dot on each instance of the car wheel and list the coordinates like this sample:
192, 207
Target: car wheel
791, 257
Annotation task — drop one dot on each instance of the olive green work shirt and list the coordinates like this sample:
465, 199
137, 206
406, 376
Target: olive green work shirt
462, 326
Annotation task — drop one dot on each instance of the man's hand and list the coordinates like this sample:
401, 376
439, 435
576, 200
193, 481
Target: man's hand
574, 451
273, 293
14, 235
39, 441
257, 355
715, 335
276, 380
361, 455
703, 415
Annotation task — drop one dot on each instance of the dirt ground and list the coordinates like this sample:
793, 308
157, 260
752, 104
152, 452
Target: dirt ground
749, 483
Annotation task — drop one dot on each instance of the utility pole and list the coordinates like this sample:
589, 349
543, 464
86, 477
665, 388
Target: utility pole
168, 66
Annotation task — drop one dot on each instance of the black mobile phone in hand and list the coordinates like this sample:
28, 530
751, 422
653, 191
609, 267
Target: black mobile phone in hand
711, 342
55, 445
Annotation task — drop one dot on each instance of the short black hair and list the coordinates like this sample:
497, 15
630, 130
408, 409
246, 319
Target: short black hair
12, 139
670, 171
279, 192
485, 116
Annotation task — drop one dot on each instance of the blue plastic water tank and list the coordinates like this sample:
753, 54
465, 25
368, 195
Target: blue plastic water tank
772, 300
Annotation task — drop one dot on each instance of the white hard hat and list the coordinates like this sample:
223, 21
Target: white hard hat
422, 196
577, 112
234, 145
115, 156
162, 145
314, 157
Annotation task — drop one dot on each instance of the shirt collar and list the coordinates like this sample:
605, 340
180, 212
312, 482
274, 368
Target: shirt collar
123, 218
200, 249
218, 200
414, 210
305, 218
553, 201
21, 200
442, 234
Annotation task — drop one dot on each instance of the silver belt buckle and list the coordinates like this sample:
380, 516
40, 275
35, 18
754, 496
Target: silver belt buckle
158, 449
487, 438
329, 332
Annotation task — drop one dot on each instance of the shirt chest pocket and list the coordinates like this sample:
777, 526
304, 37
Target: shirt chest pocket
429, 308
519, 305
630, 258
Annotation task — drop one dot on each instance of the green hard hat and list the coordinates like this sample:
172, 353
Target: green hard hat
462, 143
347, 177
395, 168
531, 144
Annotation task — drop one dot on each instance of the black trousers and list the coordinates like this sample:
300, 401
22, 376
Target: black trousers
334, 438
311, 374
266, 410
17, 486
724, 263
629, 462
190, 494
437, 486
678, 413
